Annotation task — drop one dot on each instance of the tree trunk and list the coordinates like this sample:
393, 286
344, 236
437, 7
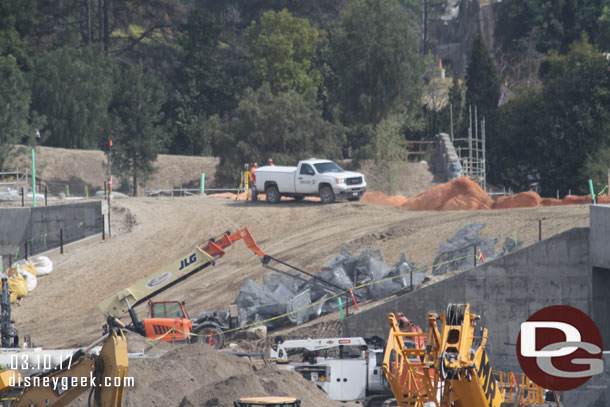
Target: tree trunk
100, 21
106, 26
88, 39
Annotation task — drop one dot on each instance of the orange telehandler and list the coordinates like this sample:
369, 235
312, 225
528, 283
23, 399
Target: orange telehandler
168, 320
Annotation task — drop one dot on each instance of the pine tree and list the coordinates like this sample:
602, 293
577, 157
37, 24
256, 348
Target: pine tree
482, 83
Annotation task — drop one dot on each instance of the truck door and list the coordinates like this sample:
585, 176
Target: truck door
305, 182
168, 322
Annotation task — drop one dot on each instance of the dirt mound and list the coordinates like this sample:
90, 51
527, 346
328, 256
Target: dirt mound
464, 194
383, 199
201, 376
460, 193
527, 199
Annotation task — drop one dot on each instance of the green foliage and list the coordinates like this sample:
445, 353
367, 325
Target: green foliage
204, 88
390, 151
375, 56
16, 21
137, 134
282, 52
14, 107
596, 167
560, 22
72, 88
603, 33
554, 131
482, 83
285, 126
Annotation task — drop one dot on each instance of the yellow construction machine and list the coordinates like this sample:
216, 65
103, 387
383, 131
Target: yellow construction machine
103, 374
453, 369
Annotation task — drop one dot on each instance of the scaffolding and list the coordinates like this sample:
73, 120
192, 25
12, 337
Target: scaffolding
471, 151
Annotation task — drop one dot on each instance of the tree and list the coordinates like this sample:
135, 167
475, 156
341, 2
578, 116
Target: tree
376, 61
72, 88
560, 22
560, 130
16, 22
482, 83
14, 108
283, 49
137, 134
203, 86
285, 126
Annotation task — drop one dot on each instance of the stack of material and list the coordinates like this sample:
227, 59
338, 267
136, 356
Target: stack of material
280, 294
460, 250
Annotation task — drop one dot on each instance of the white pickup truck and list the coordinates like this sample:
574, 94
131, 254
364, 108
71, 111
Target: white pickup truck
310, 177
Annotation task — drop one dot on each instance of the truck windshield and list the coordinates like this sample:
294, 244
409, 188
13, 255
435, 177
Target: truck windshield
327, 167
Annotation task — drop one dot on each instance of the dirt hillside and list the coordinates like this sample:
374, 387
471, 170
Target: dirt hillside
151, 232
59, 167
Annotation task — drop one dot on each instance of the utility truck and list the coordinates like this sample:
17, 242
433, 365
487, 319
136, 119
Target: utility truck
311, 177
347, 369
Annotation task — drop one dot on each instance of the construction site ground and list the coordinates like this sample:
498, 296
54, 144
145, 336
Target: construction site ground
148, 233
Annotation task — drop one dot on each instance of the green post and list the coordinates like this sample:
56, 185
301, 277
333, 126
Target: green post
67, 190
33, 179
592, 191
86, 191
340, 307
202, 185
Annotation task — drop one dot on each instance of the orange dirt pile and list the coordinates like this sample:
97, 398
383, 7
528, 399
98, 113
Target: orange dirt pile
460, 193
465, 194
522, 200
383, 199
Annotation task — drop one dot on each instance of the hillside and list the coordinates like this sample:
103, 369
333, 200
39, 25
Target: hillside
151, 232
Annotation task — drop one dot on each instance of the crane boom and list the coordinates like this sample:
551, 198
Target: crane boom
198, 259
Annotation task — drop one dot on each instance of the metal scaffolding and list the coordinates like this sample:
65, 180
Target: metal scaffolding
471, 151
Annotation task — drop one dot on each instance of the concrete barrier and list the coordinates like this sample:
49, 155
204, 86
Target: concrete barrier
43, 228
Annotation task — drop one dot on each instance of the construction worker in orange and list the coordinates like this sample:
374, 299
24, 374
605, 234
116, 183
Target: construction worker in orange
270, 162
252, 182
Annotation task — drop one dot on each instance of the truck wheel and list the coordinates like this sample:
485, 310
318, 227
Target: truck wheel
212, 335
273, 194
327, 195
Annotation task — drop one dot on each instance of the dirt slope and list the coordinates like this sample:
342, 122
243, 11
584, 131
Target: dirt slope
151, 232
77, 168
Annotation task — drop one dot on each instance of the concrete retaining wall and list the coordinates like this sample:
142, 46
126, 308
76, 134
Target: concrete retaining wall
505, 292
40, 227
448, 162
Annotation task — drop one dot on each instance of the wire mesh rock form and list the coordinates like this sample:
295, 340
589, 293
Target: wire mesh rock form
280, 294
460, 250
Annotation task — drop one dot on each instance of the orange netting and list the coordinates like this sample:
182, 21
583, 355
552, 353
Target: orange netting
463, 193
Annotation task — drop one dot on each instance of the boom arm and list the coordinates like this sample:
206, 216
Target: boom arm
201, 257
111, 365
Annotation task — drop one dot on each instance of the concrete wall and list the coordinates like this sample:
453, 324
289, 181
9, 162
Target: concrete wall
447, 161
40, 227
505, 292
599, 235
15, 228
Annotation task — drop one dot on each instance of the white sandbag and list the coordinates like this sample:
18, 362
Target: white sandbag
30, 280
43, 264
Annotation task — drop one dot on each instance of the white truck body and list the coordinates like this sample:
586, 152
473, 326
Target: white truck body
310, 177
350, 377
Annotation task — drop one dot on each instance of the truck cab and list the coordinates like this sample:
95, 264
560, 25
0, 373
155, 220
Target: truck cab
311, 177
168, 321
